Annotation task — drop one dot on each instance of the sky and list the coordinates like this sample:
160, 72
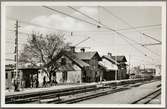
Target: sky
101, 39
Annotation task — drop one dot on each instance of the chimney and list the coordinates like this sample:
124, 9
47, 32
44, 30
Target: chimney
72, 48
82, 50
110, 54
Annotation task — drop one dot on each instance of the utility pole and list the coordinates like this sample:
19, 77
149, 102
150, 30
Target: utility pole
16, 58
129, 64
116, 72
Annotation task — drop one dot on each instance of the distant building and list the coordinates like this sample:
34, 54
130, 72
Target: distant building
120, 62
134, 72
147, 72
158, 70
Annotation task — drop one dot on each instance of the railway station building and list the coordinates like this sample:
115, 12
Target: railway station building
84, 65
116, 66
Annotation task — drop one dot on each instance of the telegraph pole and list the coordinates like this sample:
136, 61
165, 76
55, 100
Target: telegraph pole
116, 72
129, 64
16, 57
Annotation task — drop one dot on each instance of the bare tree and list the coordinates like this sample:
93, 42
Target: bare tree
42, 49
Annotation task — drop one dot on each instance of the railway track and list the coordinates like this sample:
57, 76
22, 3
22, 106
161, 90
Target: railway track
148, 98
73, 95
99, 93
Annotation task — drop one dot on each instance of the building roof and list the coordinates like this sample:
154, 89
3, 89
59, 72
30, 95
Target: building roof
71, 56
115, 59
107, 66
29, 68
110, 59
119, 58
21, 68
67, 67
75, 59
87, 55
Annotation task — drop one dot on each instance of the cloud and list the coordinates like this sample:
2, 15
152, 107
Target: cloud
61, 22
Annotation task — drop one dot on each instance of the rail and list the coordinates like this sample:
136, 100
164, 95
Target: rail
58, 93
146, 99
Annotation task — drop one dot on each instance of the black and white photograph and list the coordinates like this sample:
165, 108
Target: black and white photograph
83, 54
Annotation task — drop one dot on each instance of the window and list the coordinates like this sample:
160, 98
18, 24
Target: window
12, 75
6, 75
63, 61
65, 76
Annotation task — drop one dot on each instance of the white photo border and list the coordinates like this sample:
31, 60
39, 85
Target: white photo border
92, 3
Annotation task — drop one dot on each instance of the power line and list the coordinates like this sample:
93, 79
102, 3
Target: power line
10, 42
82, 41
98, 22
150, 44
139, 27
151, 37
128, 23
37, 25
20, 32
82, 13
55, 10
41, 26
133, 28
108, 28
95, 24
120, 34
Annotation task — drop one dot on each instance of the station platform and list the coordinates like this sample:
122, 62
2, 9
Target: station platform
56, 87
62, 87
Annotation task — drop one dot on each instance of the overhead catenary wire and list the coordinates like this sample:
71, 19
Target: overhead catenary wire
55, 10
37, 25
71, 32
41, 26
19, 32
114, 29
135, 29
151, 37
140, 27
30, 23
128, 24
150, 44
82, 13
120, 34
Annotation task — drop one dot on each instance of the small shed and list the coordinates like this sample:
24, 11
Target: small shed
29, 76
9, 75
26, 75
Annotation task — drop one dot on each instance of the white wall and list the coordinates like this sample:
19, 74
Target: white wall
59, 77
41, 76
74, 76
